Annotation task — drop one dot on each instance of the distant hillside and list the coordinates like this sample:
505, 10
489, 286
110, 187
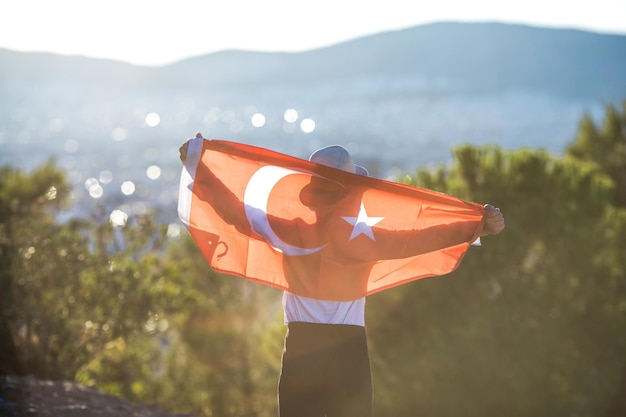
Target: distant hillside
456, 57
38, 68
471, 57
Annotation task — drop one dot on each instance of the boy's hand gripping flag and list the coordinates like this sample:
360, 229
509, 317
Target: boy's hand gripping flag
317, 231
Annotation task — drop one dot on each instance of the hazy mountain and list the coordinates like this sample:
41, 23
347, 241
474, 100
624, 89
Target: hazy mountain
398, 100
474, 58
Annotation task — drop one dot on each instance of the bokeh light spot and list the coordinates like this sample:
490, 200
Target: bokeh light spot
307, 125
258, 120
291, 115
118, 218
128, 188
96, 191
105, 177
228, 116
120, 134
51, 194
153, 119
236, 126
153, 172
93, 187
173, 230
211, 116
90, 183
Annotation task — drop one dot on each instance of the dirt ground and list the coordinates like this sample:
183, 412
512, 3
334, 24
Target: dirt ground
30, 397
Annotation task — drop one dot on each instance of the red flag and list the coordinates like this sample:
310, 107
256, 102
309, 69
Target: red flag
317, 231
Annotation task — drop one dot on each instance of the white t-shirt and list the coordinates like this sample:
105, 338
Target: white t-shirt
309, 310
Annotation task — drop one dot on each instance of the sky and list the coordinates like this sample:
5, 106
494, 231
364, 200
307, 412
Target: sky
158, 32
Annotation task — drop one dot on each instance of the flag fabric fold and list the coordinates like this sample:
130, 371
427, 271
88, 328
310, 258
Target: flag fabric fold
316, 231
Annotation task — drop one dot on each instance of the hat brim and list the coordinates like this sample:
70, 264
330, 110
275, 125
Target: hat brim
359, 170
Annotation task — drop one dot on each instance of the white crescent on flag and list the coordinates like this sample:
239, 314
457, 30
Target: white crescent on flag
255, 202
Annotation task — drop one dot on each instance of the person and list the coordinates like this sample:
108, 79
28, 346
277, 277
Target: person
325, 365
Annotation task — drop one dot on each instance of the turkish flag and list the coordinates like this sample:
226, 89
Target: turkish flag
316, 231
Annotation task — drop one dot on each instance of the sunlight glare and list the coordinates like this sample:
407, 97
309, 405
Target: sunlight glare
153, 119
105, 177
51, 194
173, 230
91, 183
291, 115
96, 191
153, 172
258, 120
118, 218
307, 125
128, 188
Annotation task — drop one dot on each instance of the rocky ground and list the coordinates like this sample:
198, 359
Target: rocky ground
30, 397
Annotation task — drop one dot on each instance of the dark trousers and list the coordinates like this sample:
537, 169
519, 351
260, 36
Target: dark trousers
325, 372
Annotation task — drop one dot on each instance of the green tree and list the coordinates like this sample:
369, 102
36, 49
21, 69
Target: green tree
78, 291
606, 146
75, 291
234, 334
532, 323
28, 233
128, 310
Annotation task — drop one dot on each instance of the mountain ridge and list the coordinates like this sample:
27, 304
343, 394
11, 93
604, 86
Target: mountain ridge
482, 56
474, 57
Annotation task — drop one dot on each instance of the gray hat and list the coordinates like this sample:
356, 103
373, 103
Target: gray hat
336, 156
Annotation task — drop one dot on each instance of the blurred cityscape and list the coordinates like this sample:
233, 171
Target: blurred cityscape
116, 128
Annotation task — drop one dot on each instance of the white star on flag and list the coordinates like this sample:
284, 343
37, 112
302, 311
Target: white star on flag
362, 224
